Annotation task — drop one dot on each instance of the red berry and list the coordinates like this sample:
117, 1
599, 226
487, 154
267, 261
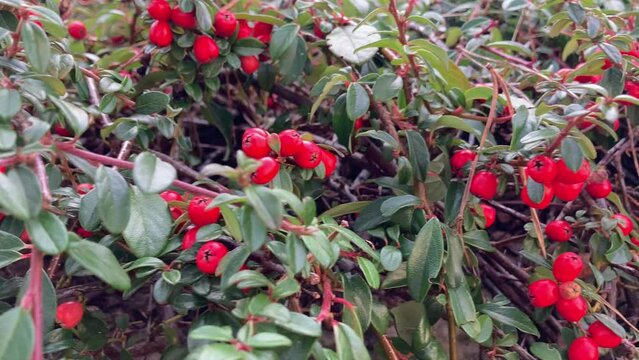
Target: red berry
83, 188
266, 172
599, 190
330, 162
183, 19
209, 256
205, 49
559, 230
198, 212
290, 142
255, 143
567, 267
225, 23
261, 28
546, 199
567, 192
171, 195
543, 293
69, 314
190, 237
484, 185
77, 30
309, 156
176, 212
583, 348
567, 176
603, 336
489, 214
359, 123
84, 233
624, 224
460, 159
542, 169
159, 10
572, 310
61, 130
632, 88
245, 30
250, 64
160, 34
318, 31
266, 38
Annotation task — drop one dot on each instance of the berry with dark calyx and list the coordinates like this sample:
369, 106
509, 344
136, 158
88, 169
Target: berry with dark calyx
567, 266
559, 230
567, 176
190, 238
583, 348
69, 314
250, 64
572, 310
484, 185
209, 256
309, 156
255, 143
567, 192
546, 199
244, 30
186, 20
603, 336
599, 190
490, 214
330, 162
159, 10
171, 195
543, 293
290, 142
160, 34
569, 290
77, 30
205, 49
198, 212
225, 23
266, 172
542, 169
460, 159
624, 224
84, 188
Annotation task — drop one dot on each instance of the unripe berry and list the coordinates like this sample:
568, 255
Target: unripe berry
569, 290
69, 314
77, 30
205, 49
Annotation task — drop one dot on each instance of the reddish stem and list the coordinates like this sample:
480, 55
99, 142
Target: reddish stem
32, 300
327, 300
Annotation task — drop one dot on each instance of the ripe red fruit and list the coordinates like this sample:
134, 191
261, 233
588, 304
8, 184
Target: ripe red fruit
624, 223
546, 199
572, 310
290, 142
599, 190
309, 155
603, 336
559, 230
250, 64
583, 348
484, 185
176, 212
61, 130
183, 19
567, 192
198, 212
160, 34
567, 267
69, 314
84, 188
190, 237
205, 49
318, 31
245, 30
225, 23
77, 30
359, 123
262, 28
255, 143
460, 159
209, 256
159, 10
542, 169
489, 214
543, 293
567, 176
266, 172
83, 233
171, 195
330, 161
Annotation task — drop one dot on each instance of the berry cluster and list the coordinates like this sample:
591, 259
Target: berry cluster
259, 144
587, 347
484, 185
205, 47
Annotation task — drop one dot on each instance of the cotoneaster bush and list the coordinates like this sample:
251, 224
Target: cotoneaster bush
199, 179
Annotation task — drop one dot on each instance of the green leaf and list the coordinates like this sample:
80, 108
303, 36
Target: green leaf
512, 45
387, 87
48, 233
149, 226
611, 52
202, 15
613, 81
345, 209
571, 153
75, 117
248, 47
354, 239
36, 46
216, 351
9, 241
88, 213
357, 292
418, 154
10, 103
172, 276
210, 332
151, 174
511, 316
114, 204
390, 257
611, 324
462, 304
20, 194
523, 123
357, 101
267, 206
345, 42
282, 39
425, 260
319, 245
535, 191
151, 102
100, 261
293, 62
49, 300
17, 337
349, 345
396, 203
454, 261
267, 340
480, 330
8, 257
545, 351
301, 324
253, 229
382, 136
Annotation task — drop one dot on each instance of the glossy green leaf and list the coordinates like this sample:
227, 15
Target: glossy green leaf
349, 345
425, 260
511, 316
387, 87
357, 101
149, 226
17, 339
151, 174
462, 304
571, 153
267, 206
151, 102
76, 118
100, 261
36, 46
282, 39
390, 257
267, 340
10, 103
418, 154
48, 233
114, 204
345, 42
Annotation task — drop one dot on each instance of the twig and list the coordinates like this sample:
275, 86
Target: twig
452, 331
